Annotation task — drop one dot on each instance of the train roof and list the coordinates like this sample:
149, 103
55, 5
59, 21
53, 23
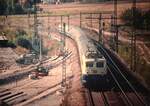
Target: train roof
88, 48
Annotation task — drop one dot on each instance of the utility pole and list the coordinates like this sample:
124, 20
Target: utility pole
36, 39
68, 22
63, 40
12, 5
91, 20
100, 30
113, 32
133, 39
40, 58
49, 28
102, 27
29, 26
115, 26
35, 24
80, 19
61, 22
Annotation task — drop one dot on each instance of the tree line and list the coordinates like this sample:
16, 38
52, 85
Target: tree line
9, 7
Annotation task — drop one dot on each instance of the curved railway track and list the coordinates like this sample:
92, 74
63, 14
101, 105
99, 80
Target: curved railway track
126, 91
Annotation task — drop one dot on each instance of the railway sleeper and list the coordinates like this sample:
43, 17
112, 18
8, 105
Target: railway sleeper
3, 90
15, 97
18, 100
89, 98
104, 99
113, 100
10, 96
133, 98
97, 98
5, 93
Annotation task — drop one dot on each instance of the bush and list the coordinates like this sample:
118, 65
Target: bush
23, 42
136, 21
18, 9
11, 44
146, 22
3, 7
20, 32
6, 7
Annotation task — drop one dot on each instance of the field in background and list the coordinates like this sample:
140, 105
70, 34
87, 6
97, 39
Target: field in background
77, 8
26, 23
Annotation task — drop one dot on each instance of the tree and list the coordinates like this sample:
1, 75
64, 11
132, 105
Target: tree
146, 22
141, 20
23, 42
3, 6
129, 19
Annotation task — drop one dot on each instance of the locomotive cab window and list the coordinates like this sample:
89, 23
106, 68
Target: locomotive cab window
89, 64
100, 64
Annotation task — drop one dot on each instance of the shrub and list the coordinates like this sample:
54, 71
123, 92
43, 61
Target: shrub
23, 42
11, 44
18, 9
3, 7
136, 21
6, 7
146, 22
20, 32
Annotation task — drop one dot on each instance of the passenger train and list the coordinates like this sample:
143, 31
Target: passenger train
93, 63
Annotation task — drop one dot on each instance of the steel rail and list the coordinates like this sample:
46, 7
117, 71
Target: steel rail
90, 98
130, 85
126, 97
104, 99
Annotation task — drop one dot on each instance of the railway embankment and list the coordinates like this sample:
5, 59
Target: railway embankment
92, 34
120, 64
17, 75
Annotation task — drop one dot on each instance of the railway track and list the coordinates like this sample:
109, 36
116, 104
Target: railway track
128, 93
125, 91
11, 98
4, 79
104, 98
15, 95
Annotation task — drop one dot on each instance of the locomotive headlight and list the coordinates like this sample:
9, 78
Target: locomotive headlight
83, 81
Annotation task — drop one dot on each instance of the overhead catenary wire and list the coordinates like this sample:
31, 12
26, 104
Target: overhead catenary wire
118, 70
126, 97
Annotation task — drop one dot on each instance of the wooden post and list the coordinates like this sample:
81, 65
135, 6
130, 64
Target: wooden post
68, 22
61, 20
80, 19
100, 31
64, 60
91, 20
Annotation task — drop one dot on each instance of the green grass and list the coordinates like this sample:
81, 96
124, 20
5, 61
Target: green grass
143, 68
125, 51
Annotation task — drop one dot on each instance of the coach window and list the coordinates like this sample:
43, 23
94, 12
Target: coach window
89, 64
99, 64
